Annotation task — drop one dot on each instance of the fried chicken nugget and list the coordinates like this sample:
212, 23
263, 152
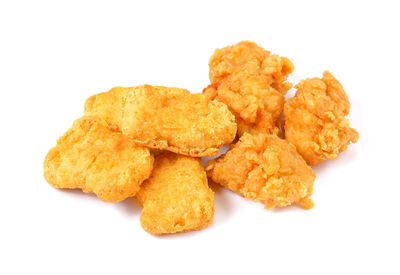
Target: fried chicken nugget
176, 198
97, 160
251, 82
314, 119
264, 168
164, 118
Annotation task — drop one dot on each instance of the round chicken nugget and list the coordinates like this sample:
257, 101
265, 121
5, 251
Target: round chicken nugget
96, 159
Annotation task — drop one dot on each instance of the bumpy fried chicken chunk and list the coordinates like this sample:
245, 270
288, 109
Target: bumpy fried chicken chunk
314, 119
264, 168
251, 82
166, 118
176, 198
97, 160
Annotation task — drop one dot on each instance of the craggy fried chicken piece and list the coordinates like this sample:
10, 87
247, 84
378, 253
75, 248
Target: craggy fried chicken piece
264, 168
314, 119
166, 118
98, 160
176, 198
251, 82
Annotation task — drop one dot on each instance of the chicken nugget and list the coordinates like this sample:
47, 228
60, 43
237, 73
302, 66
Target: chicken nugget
264, 168
164, 118
314, 119
176, 197
96, 159
251, 82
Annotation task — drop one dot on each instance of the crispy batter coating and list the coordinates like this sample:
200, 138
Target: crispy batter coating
97, 160
264, 168
166, 118
251, 82
314, 119
176, 198
109, 105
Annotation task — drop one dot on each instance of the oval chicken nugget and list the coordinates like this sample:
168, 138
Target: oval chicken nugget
164, 118
176, 198
96, 159
264, 168
315, 119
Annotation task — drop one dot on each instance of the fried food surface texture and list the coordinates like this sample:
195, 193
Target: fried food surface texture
164, 118
251, 82
176, 198
96, 159
264, 168
314, 119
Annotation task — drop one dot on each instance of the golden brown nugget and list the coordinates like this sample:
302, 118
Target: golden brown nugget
314, 119
251, 82
97, 160
264, 168
176, 198
164, 118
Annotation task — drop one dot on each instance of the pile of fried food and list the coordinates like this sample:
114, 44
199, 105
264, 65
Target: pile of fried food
146, 142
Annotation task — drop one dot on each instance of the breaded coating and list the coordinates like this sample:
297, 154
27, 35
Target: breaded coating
92, 157
251, 82
109, 105
314, 119
176, 198
164, 118
264, 168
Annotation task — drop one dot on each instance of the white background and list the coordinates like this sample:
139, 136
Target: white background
53, 56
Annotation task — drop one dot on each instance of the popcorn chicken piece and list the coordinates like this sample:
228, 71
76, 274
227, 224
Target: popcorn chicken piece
176, 198
92, 157
251, 82
264, 168
314, 119
166, 118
